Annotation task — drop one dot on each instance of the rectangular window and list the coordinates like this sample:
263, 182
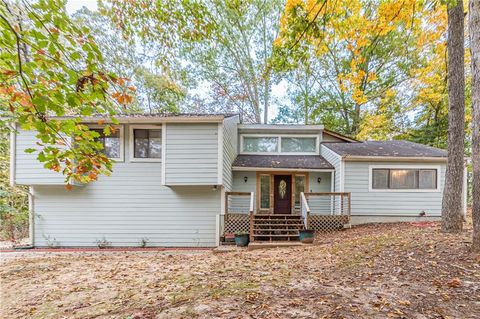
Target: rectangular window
147, 143
264, 191
111, 143
387, 178
260, 144
427, 179
299, 187
299, 144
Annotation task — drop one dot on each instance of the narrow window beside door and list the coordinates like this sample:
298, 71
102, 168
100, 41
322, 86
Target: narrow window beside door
264, 191
299, 188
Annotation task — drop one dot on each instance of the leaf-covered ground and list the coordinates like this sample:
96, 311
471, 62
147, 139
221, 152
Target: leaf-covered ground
376, 271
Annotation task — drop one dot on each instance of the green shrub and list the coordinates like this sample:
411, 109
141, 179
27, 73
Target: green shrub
13, 215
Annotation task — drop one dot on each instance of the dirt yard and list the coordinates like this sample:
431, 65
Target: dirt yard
388, 271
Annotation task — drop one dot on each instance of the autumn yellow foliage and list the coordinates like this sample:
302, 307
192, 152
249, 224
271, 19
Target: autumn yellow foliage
357, 29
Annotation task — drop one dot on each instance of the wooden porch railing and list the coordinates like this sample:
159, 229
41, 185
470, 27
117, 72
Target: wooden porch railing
333, 196
305, 210
326, 211
251, 215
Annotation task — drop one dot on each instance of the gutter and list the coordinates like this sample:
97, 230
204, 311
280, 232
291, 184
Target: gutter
212, 119
273, 169
393, 158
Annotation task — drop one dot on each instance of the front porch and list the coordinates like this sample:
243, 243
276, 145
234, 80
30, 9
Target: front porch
322, 212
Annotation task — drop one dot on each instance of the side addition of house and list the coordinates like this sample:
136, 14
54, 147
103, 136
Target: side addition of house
193, 180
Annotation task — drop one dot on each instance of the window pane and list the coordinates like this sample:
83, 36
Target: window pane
403, 179
140, 133
111, 143
141, 148
154, 133
112, 147
265, 191
299, 144
260, 144
428, 179
147, 143
155, 147
299, 187
380, 178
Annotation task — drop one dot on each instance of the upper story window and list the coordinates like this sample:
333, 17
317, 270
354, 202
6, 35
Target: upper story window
299, 144
112, 144
146, 143
270, 144
404, 179
260, 144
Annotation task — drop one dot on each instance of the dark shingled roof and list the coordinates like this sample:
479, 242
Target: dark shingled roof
282, 161
386, 149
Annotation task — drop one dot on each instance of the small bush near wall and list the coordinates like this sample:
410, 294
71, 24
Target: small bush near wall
13, 216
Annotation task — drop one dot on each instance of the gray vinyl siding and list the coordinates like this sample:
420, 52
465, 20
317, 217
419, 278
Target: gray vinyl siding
336, 162
324, 185
374, 203
123, 208
229, 149
240, 204
28, 170
191, 152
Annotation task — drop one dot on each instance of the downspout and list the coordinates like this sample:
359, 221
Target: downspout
31, 214
13, 150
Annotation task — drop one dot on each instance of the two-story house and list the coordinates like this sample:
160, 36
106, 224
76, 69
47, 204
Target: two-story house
188, 180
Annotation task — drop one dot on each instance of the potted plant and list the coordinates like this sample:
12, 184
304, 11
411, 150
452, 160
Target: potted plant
242, 239
307, 236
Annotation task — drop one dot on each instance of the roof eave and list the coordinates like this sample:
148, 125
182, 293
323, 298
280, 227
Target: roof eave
146, 119
393, 158
279, 127
278, 169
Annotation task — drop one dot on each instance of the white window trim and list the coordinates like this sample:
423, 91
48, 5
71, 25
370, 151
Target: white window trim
131, 143
121, 138
279, 145
405, 166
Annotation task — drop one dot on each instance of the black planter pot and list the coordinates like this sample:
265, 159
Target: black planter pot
242, 240
307, 236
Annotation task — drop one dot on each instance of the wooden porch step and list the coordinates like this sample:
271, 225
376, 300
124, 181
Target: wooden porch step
274, 244
279, 220
276, 229
277, 224
276, 235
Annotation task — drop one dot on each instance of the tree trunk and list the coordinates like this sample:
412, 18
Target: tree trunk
452, 216
266, 98
474, 32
